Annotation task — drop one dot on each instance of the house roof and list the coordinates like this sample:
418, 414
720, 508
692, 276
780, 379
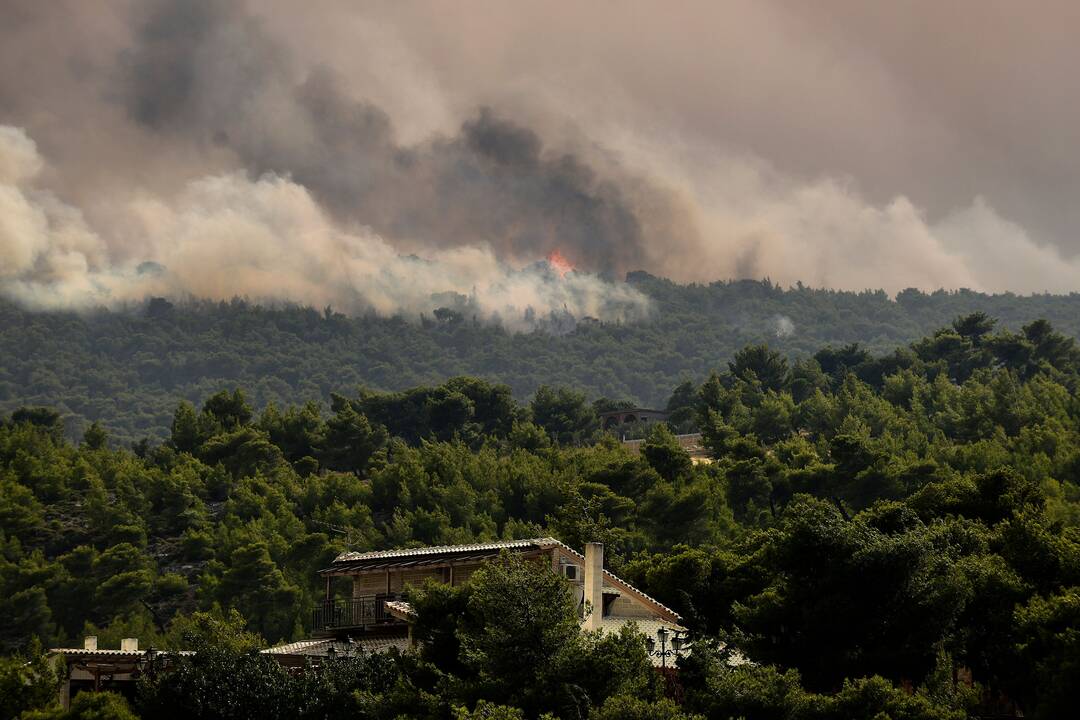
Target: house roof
103, 655
442, 550
401, 609
321, 648
645, 626
435, 554
623, 411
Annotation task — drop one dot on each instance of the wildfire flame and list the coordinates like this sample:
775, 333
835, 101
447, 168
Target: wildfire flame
559, 263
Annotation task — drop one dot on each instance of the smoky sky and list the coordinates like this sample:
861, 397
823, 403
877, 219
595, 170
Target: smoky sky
841, 144
210, 71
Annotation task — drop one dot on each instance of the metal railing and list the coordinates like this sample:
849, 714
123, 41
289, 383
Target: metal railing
355, 612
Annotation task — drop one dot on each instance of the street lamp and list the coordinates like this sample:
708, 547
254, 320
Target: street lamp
146, 663
678, 641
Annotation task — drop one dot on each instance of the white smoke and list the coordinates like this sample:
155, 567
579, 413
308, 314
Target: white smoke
43, 242
783, 326
756, 221
227, 235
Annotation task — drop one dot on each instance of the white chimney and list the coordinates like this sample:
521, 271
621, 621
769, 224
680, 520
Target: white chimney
594, 584
90, 642
129, 645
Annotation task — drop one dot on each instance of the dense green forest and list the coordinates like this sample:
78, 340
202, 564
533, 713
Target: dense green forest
129, 368
873, 527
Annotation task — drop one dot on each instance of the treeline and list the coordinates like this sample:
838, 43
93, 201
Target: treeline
129, 368
869, 522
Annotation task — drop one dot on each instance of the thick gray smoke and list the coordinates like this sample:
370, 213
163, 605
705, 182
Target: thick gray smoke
369, 157
227, 235
492, 182
324, 185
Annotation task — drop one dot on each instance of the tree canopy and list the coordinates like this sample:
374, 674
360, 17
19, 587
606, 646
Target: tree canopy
868, 529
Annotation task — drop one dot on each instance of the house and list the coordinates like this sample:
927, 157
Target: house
375, 616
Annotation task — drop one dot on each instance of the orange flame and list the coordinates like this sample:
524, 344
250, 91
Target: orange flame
559, 263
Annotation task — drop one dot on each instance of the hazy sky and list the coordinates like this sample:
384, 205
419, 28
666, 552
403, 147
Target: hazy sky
842, 144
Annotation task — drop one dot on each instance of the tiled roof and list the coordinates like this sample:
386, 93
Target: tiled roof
105, 653
321, 648
400, 607
444, 549
646, 626
649, 628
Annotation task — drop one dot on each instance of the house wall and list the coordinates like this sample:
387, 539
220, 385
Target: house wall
419, 577
627, 607
374, 582
462, 573
370, 584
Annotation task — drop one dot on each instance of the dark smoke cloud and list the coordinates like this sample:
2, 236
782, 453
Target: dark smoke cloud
306, 150
209, 71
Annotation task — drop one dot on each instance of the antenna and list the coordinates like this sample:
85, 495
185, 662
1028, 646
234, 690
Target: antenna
350, 533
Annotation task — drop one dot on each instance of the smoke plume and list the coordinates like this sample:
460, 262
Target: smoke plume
372, 159
227, 235
783, 326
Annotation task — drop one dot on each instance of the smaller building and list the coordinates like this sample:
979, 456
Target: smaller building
93, 669
690, 442
628, 416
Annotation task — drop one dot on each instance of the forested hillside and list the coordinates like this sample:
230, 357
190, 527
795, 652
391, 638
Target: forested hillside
869, 523
129, 368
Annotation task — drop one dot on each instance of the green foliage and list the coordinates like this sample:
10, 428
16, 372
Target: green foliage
488, 711
664, 454
876, 697
28, 681
759, 364
626, 707
226, 632
128, 369
511, 636
564, 414
866, 521
88, 706
1048, 644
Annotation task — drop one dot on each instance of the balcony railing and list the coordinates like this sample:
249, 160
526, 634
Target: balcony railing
353, 613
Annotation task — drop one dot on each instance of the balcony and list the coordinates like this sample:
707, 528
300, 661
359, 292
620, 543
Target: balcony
334, 616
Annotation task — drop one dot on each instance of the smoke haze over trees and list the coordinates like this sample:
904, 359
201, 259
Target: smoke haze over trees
358, 157
129, 368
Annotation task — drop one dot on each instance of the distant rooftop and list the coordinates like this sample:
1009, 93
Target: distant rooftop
624, 411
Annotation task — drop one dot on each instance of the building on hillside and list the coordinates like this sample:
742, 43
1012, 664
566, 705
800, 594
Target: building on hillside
627, 416
93, 669
375, 616
690, 442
